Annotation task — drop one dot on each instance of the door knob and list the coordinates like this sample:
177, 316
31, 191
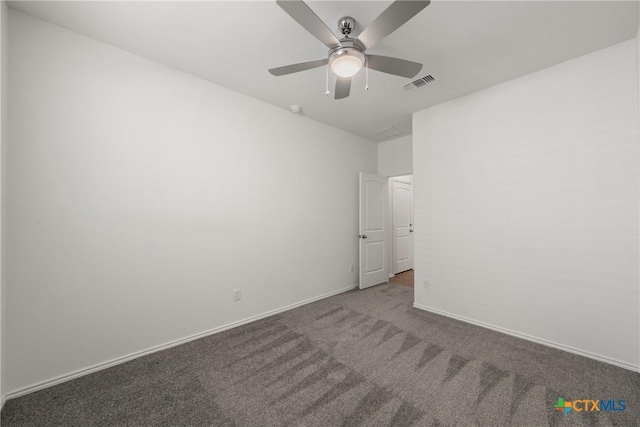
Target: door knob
410, 231
364, 236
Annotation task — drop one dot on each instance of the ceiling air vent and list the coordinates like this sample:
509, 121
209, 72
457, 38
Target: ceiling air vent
420, 82
386, 133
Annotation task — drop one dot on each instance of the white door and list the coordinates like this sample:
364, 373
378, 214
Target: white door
402, 225
373, 230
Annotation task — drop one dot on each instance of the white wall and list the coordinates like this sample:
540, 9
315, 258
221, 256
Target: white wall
140, 197
395, 157
3, 140
638, 73
526, 205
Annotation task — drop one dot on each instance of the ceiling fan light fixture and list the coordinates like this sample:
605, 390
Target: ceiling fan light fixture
346, 62
346, 56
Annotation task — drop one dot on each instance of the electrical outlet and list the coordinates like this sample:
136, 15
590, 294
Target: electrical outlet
237, 295
352, 268
426, 283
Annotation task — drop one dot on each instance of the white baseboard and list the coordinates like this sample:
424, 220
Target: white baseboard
123, 359
542, 341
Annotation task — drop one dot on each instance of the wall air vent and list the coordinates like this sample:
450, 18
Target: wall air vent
423, 81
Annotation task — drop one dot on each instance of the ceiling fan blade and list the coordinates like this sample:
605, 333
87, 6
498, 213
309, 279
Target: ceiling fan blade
301, 66
304, 16
390, 20
343, 87
395, 66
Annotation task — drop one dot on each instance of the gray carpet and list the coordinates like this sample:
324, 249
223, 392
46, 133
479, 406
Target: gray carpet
359, 358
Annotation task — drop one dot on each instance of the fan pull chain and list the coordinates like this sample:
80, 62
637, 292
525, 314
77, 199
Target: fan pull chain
326, 82
366, 71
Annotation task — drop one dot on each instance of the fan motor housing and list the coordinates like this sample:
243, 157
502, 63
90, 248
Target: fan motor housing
348, 44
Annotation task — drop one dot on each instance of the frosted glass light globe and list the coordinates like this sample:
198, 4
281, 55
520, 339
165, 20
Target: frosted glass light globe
346, 62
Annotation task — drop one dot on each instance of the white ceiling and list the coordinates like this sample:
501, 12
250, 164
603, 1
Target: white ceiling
467, 46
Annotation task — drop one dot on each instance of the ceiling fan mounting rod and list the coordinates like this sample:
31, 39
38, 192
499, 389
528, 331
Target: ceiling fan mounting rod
346, 25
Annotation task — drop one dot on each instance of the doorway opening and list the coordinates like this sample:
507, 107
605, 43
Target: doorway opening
405, 278
401, 229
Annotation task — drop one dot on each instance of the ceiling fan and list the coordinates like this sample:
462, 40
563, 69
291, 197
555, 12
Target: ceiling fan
347, 56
